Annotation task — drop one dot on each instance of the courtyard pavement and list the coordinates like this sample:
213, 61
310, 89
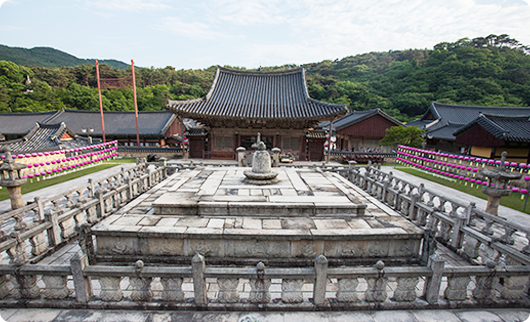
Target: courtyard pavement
55, 315
456, 315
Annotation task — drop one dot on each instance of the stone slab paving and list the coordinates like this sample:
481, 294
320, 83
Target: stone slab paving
57, 315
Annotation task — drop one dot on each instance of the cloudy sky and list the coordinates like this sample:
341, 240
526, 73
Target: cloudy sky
250, 33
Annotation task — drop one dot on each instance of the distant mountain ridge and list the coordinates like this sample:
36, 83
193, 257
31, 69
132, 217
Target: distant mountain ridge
49, 57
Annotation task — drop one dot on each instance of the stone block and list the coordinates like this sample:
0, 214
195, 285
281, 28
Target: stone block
339, 249
306, 248
113, 245
165, 246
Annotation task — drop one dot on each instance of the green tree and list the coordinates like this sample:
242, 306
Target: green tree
406, 135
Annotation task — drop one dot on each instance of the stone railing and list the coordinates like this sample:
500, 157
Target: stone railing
29, 233
476, 235
321, 287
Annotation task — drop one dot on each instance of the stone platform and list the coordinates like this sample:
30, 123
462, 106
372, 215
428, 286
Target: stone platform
212, 211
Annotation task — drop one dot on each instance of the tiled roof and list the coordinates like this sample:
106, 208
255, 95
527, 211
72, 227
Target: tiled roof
116, 122
44, 137
21, 123
420, 124
444, 132
358, 116
257, 95
508, 128
317, 134
446, 114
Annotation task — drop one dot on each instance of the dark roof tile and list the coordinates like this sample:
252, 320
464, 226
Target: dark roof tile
257, 95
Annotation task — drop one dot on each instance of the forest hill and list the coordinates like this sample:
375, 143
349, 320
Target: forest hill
489, 71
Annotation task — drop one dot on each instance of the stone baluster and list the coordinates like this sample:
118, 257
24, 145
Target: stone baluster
488, 227
507, 237
56, 288
259, 292
347, 290
456, 289
228, 290
4, 290
70, 200
25, 285
406, 289
110, 289
292, 290
444, 232
140, 286
38, 243
19, 218
172, 289
81, 199
67, 228
376, 291
18, 255
526, 249
484, 285
471, 247
514, 288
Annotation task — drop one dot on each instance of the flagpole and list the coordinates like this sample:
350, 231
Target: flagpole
100, 102
135, 105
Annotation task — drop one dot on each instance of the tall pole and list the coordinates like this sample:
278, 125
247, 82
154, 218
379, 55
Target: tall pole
100, 102
135, 105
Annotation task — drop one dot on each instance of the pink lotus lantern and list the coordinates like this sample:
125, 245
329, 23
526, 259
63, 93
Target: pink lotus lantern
27, 155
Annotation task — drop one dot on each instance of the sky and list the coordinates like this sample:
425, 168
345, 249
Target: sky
251, 33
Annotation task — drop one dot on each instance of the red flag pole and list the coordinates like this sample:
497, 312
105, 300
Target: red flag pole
135, 105
100, 102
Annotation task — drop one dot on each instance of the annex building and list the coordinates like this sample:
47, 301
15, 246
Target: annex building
484, 131
240, 104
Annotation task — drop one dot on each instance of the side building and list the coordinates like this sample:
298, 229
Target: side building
241, 104
484, 131
156, 128
362, 130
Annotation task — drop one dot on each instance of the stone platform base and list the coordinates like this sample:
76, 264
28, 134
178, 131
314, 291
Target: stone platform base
211, 211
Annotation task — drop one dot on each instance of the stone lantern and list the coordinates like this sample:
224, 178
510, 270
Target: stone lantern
500, 178
11, 178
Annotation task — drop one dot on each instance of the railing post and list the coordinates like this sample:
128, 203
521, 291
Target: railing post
54, 232
319, 290
40, 208
82, 284
199, 283
92, 187
457, 237
431, 289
